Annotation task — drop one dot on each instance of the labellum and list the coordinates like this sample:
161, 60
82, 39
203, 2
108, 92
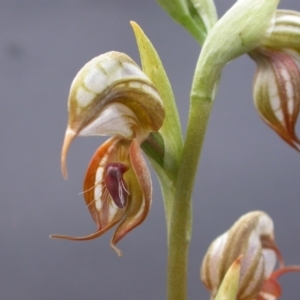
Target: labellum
115, 183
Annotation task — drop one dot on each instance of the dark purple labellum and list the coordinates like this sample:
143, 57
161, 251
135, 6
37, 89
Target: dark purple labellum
115, 183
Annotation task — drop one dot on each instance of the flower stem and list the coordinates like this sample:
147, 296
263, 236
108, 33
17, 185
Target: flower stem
202, 96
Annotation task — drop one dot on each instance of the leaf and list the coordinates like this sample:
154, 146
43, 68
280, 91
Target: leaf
229, 287
186, 14
171, 129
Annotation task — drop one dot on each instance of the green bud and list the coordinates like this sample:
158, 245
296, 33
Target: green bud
277, 79
240, 30
196, 16
240, 264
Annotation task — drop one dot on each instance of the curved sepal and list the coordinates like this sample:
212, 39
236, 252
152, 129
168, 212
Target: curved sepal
109, 79
110, 95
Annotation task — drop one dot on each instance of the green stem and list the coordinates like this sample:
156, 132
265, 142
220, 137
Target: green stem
168, 191
202, 96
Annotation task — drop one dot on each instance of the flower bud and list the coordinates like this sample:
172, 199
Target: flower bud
277, 79
250, 237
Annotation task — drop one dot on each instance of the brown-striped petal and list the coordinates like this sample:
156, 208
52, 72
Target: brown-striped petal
285, 32
140, 189
117, 188
98, 197
277, 91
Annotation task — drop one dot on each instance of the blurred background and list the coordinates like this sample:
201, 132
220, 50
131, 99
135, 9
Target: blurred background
245, 166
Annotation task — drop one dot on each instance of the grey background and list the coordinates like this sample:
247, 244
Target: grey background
244, 166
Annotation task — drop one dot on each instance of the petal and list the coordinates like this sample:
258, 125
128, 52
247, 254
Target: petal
277, 91
140, 196
270, 260
210, 273
116, 119
97, 197
244, 239
271, 288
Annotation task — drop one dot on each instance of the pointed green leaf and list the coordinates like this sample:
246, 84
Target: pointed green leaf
196, 16
206, 9
229, 286
171, 129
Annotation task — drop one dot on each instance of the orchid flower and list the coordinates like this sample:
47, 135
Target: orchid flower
277, 79
252, 238
110, 95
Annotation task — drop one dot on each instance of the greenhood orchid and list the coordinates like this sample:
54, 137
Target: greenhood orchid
277, 80
252, 238
110, 95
